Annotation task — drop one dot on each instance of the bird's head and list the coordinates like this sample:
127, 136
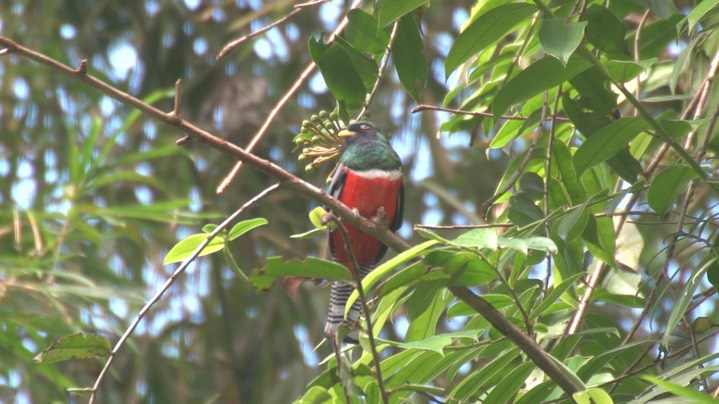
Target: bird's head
361, 131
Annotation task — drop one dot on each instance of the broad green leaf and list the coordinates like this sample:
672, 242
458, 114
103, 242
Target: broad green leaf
392, 10
541, 75
277, 267
409, 60
245, 226
568, 175
437, 343
530, 243
625, 70
595, 91
600, 238
666, 187
75, 346
486, 30
362, 32
594, 395
685, 296
554, 295
378, 273
698, 12
477, 238
606, 31
687, 393
522, 211
607, 142
572, 225
186, 247
341, 77
560, 38
424, 309
463, 268
511, 384
468, 389
531, 185
365, 66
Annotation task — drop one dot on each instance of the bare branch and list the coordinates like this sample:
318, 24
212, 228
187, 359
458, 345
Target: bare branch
280, 104
156, 297
297, 9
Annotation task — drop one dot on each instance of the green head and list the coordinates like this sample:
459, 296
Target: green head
367, 148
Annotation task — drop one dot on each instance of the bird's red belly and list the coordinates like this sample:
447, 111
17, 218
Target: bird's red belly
366, 195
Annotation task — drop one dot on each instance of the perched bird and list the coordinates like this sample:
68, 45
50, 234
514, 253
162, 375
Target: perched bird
368, 177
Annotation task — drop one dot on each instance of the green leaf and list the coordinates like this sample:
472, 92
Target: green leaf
362, 32
342, 77
75, 346
276, 267
437, 343
625, 70
522, 211
560, 38
484, 31
424, 308
607, 142
594, 395
378, 273
685, 297
511, 384
689, 394
477, 238
185, 248
409, 60
572, 225
245, 226
666, 187
698, 13
530, 243
392, 10
554, 295
606, 31
541, 75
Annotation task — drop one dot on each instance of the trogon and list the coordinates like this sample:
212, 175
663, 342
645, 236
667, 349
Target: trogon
369, 176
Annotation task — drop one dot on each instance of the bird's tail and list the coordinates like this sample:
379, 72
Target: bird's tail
339, 293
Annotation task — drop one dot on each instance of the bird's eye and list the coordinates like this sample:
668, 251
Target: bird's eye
364, 126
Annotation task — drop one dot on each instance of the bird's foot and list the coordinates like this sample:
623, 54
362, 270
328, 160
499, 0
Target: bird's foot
380, 218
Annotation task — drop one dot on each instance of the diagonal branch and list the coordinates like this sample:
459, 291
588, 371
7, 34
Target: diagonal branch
280, 104
543, 360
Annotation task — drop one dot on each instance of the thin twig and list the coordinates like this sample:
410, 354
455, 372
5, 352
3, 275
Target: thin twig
297, 9
484, 209
380, 73
280, 104
637, 37
425, 107
155, 298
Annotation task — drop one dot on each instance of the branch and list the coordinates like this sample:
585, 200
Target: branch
156, 297
237, 42
382, 233
526, 344
425, 107
280, 104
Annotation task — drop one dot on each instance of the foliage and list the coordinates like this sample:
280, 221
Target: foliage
591, 123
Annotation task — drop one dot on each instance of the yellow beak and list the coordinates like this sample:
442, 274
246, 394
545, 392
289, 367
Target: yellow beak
346, 133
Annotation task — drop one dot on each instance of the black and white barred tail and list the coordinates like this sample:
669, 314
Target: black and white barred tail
339, 293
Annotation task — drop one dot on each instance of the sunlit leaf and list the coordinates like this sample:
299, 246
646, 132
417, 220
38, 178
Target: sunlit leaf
245, 226
392, 10
187, 246
607, 142
560, 38
666, 187
277, 267
76, 346
487, 29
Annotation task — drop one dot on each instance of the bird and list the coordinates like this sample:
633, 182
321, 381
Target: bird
367, 178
